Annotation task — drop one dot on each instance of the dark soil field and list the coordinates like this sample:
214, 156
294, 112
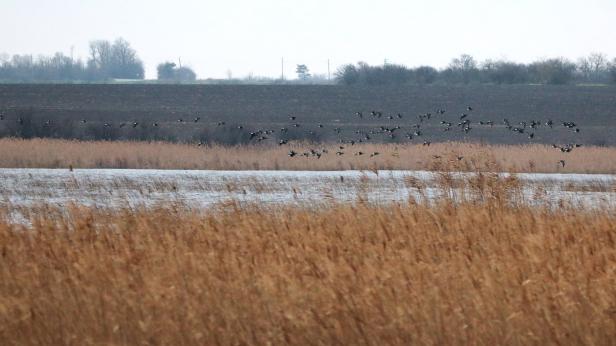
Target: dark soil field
168, 112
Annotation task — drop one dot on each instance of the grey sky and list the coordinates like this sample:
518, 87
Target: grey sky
251, 36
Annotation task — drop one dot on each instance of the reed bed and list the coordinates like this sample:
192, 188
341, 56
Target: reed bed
51, 153
485, 270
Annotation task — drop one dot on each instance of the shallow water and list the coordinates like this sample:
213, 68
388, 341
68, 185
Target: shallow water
117, 187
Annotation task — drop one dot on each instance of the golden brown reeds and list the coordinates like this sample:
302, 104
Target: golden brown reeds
479, 272
50, 153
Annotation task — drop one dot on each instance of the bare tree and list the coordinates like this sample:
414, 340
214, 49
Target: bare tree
594, 67
598, 62
462, 70
117, 60
583, 67
464, 62
100, 58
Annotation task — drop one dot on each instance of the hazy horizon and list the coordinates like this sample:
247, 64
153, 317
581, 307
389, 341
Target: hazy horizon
249, 37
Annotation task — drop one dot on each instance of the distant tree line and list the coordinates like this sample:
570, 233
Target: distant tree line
107, 60
26, 68
596, 68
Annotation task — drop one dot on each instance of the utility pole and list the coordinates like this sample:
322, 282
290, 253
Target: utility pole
282, 68
328, 74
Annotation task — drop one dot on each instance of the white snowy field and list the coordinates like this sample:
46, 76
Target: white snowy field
116, 187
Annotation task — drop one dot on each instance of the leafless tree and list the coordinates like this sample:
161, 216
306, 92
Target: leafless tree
464, 62
593, 67
114, 60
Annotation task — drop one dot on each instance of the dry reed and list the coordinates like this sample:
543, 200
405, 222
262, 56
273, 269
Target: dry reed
485, 271
49, 153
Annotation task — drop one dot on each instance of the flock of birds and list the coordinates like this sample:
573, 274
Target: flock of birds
414, 131
414, 128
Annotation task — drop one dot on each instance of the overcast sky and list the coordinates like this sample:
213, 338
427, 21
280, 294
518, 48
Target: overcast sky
243, 36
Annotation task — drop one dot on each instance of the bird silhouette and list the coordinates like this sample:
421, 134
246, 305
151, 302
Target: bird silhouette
394, 127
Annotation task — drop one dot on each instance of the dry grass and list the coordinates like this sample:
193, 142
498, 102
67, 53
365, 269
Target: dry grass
485, 271
46, 153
